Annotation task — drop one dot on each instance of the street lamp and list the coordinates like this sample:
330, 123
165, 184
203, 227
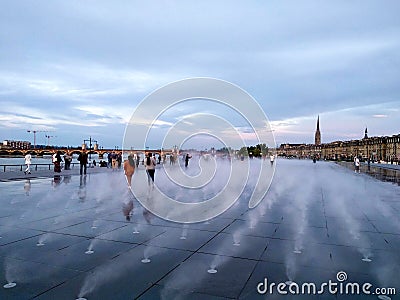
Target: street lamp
34, 136
90, 145
48, 139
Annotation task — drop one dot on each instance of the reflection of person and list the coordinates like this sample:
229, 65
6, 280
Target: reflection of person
57, 162
28, 162
56, 180
67, 179
150, 168
82, 189
129, 168
127, 210
147, 215
27, 186
83, 160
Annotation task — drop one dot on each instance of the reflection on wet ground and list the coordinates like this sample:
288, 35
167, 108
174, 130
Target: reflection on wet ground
380, 173
88, 237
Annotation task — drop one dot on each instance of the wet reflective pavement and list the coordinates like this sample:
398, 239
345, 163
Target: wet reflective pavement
388, 172
316, 220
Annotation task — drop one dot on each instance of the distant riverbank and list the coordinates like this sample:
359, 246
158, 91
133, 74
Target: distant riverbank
45, 159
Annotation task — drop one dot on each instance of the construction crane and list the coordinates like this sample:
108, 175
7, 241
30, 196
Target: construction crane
48, 138
34, 136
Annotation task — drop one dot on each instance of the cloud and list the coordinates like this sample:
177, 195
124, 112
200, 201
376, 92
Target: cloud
73, 63
342, 124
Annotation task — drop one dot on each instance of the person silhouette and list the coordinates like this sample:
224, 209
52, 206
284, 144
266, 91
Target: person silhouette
187, 157
129, 168
28, 161
150, 169
83, 160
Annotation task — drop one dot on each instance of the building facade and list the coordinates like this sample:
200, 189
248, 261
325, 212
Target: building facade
381, 149
10, 144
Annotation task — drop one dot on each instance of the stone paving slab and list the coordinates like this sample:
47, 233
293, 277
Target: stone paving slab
303, 231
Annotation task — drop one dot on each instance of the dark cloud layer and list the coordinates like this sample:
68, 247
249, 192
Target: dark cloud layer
89, 63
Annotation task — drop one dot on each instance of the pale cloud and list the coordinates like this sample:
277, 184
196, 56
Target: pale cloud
82, 81
348, 123
91, 67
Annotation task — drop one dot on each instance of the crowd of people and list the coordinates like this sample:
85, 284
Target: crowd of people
115, 162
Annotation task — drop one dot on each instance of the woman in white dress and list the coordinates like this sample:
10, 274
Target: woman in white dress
28, 161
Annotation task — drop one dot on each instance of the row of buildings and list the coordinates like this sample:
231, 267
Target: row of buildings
11, 144
382, 148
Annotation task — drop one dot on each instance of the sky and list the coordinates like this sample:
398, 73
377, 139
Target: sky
79, 69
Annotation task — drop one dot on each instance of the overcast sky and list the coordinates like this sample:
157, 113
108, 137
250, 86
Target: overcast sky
79, 68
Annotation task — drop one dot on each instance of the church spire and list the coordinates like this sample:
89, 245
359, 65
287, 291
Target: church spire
317, 134
366, 133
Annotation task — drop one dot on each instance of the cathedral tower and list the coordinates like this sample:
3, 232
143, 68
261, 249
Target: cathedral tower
366, 133
317, 134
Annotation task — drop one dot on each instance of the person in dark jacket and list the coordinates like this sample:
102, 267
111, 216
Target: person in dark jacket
187, 157
83, 160
57, 162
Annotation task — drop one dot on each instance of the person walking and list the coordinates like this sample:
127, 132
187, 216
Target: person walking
114, 157
129, 168
57, 161
150, 169
272, 159
357, 165
28, 161
83, 160
137, 160
109, 159
119, 160
187, 157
